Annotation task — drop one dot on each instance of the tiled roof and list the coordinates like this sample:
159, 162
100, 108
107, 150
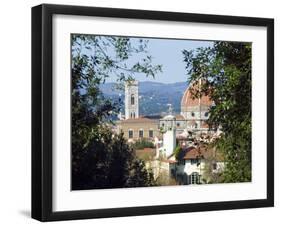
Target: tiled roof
204, 125
169, 160
195, 153
139, 120
188, 101
179, 117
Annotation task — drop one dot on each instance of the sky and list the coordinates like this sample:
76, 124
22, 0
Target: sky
168, 53
165, 52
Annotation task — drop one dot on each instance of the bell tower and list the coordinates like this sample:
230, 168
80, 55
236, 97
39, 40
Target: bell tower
131, 99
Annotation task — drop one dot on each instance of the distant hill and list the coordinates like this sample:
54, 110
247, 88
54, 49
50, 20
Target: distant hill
153, 96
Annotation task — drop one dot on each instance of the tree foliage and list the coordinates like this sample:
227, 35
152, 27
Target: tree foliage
143, 143
100, 158
177, 152
225, 74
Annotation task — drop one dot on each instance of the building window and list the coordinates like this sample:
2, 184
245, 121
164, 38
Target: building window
215, 166
131, 133
206, 114
195, 178
150, 133
132, 99
194, 161
192, 114
178, 124
163, 124
181, 162
140, 133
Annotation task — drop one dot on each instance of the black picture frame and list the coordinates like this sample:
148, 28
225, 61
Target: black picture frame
42, 111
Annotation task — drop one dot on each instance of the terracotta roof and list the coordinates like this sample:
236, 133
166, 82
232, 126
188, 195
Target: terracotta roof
179, 117
169, 160
206, 153
139, 120
204, 125
188, 153
188, 101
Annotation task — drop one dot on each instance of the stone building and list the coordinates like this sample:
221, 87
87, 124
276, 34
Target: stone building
134, 126
193, 116
138, 128
169, 121
131, 100
195, 110
192, 164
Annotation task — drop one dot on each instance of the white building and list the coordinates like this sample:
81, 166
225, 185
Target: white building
187, 130
193, 164
196, 165
169, 143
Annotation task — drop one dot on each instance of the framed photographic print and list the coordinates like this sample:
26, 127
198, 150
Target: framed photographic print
145, 112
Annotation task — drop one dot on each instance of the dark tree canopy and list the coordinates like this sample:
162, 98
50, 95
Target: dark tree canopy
100, 158
225, 74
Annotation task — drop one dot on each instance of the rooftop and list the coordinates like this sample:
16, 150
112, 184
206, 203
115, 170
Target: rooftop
199, 153
188, 100
138, 120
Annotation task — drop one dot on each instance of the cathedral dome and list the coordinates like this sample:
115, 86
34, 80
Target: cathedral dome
188, 101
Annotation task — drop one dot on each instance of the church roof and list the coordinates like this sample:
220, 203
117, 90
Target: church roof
139, 120
169, 117
188, 100
179, 117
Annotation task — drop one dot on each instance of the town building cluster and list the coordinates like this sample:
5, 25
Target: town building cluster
182, 154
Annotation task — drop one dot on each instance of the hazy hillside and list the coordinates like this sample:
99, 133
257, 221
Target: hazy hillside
154, 96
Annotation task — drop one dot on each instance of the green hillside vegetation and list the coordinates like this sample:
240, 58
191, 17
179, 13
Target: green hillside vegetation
154, 96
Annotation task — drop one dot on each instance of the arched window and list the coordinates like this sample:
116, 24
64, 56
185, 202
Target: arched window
192, 114
206, 114
132, 99
194, 178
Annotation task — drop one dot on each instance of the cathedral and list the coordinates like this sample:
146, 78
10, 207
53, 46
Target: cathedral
192, 118
185, 131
